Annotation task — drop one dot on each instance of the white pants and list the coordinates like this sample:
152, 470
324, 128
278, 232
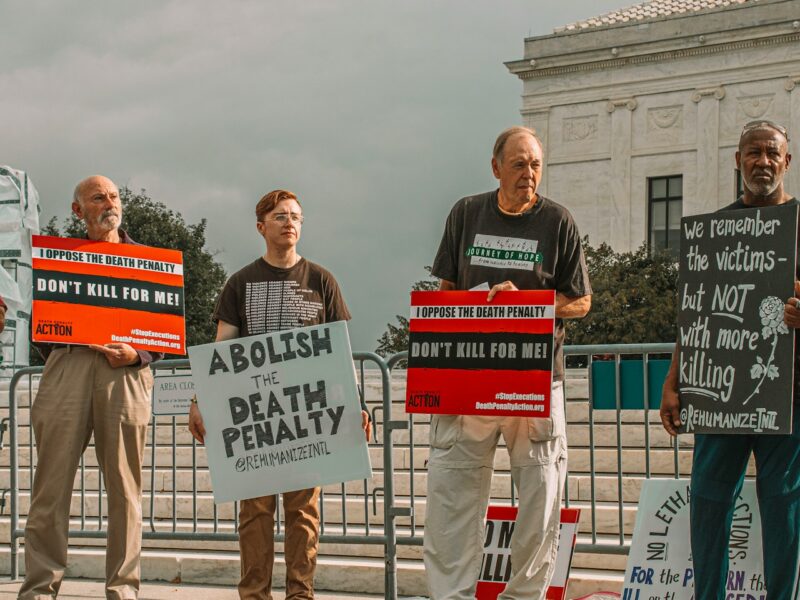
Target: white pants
459, 482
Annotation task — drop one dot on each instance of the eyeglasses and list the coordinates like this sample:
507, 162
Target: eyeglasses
283, 218
762, 123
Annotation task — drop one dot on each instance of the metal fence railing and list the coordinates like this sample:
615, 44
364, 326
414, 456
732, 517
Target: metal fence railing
613, 446
626, 395
179, 504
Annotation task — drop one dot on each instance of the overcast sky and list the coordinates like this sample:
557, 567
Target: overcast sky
378, 114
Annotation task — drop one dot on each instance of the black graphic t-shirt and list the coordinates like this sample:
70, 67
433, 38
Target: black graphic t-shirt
539, 249
261, 298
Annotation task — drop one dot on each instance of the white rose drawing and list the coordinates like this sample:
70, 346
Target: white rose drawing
771, 312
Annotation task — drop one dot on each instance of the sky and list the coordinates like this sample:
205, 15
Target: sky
379, 115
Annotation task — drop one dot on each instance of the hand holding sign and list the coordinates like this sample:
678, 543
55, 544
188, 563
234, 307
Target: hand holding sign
366, 424
196, 426
117, 355
791, 311
506, 286
670, 408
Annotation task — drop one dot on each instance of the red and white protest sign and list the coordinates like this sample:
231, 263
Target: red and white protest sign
87, 292
467, 356
496, 565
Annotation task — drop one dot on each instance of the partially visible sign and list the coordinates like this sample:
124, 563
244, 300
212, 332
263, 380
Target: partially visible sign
496, 566
660, 559
281, 411
470, 357
735, 353
172, 393
87, 292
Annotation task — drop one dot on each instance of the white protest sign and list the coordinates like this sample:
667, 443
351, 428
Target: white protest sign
281, 412
660, 560
172, 393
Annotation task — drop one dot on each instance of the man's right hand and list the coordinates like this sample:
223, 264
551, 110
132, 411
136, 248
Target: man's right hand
196, 427
506, 286
670, 410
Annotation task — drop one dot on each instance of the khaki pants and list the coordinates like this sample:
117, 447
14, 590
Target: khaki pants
257, 544
81, 394
459, 484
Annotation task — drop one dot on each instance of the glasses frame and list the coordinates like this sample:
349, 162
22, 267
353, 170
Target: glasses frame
761, 123
283, 218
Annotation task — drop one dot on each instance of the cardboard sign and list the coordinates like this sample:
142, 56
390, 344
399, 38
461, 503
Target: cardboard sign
496, 566
88, 292
470, 357
281, 412
736, 354
660, 560
172, 393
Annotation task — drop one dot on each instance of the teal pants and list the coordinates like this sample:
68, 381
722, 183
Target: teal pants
718, 471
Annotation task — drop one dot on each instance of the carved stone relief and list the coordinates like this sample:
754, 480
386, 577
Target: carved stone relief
579, 129
754, 107
664, 118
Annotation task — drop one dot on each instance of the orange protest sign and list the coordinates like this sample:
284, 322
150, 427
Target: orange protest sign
87, 292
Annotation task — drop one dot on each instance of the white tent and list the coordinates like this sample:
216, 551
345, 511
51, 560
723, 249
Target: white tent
19, 219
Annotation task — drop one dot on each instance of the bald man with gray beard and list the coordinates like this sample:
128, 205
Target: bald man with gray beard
84, 390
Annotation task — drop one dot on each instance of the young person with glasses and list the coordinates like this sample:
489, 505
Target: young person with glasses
279, 290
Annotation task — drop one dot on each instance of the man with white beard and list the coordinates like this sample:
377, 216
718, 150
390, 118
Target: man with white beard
85, 390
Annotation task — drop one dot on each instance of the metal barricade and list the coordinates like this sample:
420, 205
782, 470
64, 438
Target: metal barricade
179, 505
176, 464
629, 410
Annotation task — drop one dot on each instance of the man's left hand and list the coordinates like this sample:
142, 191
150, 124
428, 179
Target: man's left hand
791, 310
506, 286
117, 355
366, 424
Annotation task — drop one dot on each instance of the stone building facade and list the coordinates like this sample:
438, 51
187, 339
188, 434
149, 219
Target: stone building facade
640, 110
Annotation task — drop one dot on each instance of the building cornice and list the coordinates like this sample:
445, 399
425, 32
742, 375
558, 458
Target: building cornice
684, 83
657, 57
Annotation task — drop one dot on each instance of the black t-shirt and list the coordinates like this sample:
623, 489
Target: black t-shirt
261, 298
539, 249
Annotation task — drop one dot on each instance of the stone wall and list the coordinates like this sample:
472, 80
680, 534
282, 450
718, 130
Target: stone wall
619, 104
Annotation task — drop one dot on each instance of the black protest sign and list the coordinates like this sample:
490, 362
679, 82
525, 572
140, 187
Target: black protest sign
736, 355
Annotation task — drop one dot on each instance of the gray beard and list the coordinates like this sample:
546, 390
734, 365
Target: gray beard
761, 189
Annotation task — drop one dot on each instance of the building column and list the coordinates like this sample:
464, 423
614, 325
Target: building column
707, 185
539, 120
792, 85
621, 110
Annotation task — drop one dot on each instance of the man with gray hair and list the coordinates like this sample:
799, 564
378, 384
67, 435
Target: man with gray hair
720, 461
463, 446
84, 390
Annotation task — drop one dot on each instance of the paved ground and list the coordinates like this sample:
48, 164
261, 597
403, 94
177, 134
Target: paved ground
82, 589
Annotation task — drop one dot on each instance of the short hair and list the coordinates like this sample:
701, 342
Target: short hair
77, 194
504, 136
760, 125
270, 200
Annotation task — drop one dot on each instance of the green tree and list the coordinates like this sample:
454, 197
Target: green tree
634, 298
395, 339
152, 223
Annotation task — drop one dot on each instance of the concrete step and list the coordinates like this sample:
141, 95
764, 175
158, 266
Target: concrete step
358, 575
334, 511
339, 574
404, 550
88, 589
